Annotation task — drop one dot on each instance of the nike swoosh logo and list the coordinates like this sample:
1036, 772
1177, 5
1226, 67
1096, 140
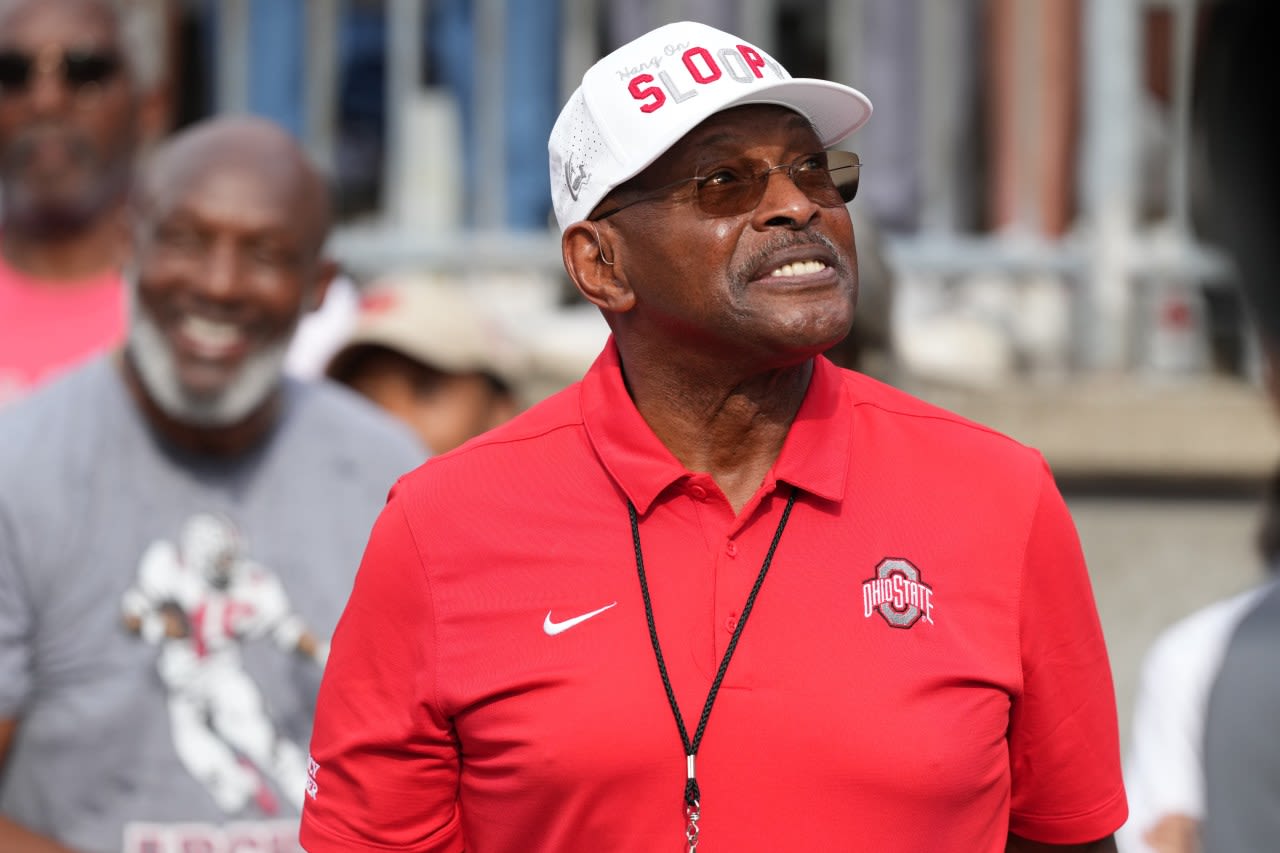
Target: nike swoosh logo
552, 628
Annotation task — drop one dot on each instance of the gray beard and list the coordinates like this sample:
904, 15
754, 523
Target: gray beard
261, 374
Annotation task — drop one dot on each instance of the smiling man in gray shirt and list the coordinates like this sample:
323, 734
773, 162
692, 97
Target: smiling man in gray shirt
180, 525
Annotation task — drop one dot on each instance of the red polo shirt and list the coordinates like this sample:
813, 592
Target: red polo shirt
924, 667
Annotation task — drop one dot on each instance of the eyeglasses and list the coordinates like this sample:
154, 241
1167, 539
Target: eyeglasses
80, 68
828, 178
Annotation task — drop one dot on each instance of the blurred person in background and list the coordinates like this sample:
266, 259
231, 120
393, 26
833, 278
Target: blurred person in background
180, 526
79, 98
425, 351
1205, 756
1032, 56
492, 685
1164, 768
1242, 753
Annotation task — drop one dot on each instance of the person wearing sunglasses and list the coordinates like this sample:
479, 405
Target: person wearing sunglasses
720, 593
74, 112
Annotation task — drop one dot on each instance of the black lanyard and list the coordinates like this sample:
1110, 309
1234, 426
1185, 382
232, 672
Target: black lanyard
692, 796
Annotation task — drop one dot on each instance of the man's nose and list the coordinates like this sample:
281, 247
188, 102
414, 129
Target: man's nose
784, 203
49, 91
219, 274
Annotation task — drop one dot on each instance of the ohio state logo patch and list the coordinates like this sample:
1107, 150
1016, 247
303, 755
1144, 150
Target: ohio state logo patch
897, 594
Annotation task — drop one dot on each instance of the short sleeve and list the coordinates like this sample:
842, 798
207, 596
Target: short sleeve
384, 765
1063, 741
16, 625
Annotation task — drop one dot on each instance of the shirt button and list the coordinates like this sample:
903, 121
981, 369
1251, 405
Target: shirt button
698, 492
731, 548
731, 624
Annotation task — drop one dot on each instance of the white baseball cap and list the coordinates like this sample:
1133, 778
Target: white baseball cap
644, 97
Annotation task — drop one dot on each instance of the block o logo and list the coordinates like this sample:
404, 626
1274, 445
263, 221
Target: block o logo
897, 594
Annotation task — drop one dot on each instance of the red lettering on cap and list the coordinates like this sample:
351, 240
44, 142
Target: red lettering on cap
712, 72
640, 94
754, 60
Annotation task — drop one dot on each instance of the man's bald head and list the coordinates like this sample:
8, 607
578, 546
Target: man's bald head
247, 145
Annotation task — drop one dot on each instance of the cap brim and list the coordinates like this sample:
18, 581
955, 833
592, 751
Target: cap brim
834, 110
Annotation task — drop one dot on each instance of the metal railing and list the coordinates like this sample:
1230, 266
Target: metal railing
1115, 252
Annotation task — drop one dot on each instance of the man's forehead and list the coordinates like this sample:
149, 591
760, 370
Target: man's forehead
65, 21
247, 187
738, 131
238, 170
750, 125
248, 198
228, 151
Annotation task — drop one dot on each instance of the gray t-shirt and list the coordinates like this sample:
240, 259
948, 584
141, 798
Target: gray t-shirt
153, 606
1242, 736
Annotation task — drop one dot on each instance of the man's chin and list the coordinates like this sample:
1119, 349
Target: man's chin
211, 399
209, 416
205, 386
226, 408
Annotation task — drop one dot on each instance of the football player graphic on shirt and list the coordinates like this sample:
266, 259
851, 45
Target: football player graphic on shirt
199, 600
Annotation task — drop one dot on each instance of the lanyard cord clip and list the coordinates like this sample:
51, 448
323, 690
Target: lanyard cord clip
692, 795
692, 808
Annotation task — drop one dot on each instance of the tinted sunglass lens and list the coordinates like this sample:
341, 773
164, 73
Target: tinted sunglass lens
15, 70
731, 199
829, 179
818, 185
82, 69
846, 169
846, 182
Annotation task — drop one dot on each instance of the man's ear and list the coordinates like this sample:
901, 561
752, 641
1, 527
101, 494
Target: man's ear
593, 259
327, 270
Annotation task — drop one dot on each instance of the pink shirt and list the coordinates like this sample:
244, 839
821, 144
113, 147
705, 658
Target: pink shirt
48, 326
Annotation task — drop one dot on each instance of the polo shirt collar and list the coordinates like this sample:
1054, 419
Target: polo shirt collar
814, 457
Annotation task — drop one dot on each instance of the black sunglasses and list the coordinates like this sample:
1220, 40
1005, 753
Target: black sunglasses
79, 68
827, 178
